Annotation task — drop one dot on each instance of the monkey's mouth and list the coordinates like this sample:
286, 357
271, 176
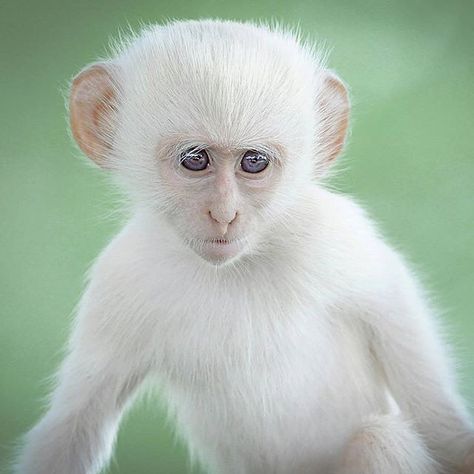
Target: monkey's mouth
219, 241
217, 250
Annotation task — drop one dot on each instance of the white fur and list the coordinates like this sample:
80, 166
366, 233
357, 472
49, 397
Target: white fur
280, 359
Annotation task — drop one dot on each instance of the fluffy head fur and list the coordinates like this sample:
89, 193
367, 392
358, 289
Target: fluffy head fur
220, 86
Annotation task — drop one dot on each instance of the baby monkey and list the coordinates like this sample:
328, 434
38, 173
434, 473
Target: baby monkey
286, 335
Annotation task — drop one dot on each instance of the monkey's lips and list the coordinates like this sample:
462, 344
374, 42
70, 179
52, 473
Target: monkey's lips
219, 250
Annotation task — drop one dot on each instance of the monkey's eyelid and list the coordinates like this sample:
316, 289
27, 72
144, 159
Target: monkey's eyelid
274, 153
269, 153
185, 152
273, 158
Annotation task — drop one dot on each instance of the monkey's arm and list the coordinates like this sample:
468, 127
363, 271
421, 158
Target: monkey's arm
409, 349
76, 435
104, 368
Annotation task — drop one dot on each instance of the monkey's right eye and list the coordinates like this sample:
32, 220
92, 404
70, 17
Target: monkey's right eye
194, 159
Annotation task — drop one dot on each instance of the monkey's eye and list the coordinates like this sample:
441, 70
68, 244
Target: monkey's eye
254, 161
194, 159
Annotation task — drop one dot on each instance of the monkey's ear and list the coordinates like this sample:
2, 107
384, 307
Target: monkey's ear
93, 110
333, 116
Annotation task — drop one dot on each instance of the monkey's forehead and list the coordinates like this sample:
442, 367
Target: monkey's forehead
214, 41
217, 74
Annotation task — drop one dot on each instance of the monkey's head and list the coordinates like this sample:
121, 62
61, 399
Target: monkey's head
217, 126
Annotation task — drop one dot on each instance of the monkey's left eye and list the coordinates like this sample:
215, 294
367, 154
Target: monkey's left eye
254, 161
194, 159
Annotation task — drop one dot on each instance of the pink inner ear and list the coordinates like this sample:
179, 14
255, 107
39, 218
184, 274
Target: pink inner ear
92, 103
334, 107
101, 111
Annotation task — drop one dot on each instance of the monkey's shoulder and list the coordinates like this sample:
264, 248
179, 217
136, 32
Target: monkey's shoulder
348, 250
340, 229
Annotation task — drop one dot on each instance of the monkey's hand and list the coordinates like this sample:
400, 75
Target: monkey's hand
409, 347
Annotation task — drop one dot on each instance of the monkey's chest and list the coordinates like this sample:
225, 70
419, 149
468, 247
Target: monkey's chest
275, 394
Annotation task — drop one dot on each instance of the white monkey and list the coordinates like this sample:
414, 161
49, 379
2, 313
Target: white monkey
287, 336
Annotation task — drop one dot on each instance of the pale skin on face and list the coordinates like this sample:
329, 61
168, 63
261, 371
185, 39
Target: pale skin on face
280, 363
220, 190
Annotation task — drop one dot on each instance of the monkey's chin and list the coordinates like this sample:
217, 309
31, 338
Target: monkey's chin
219, 252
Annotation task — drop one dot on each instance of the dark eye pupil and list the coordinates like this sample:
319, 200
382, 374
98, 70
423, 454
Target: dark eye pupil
254, 162
195, 159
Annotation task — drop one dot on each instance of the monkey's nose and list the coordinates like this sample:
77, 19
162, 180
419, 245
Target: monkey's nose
222, 222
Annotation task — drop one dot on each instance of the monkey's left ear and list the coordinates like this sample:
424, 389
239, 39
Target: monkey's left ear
93, 111
333, 116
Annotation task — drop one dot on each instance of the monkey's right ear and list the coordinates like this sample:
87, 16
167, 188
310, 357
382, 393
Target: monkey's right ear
93, 110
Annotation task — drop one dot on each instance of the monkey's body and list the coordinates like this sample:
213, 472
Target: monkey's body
280, 325
229, 369
236, 360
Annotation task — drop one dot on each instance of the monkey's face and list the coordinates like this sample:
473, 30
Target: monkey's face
220, 199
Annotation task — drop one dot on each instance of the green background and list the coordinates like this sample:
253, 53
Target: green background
410, 160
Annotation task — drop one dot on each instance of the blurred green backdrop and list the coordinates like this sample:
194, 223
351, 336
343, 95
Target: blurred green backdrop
410, 160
